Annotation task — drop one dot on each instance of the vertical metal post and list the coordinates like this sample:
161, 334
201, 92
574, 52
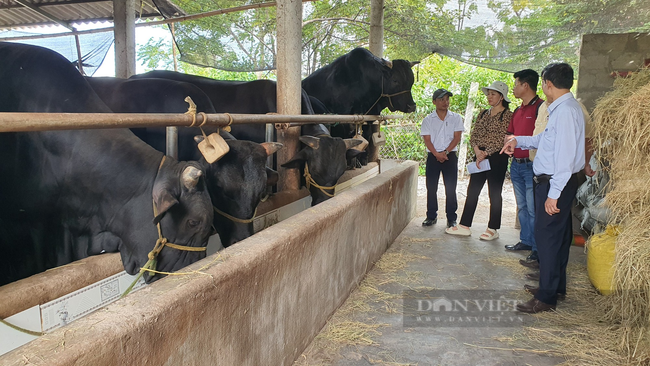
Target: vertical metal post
124, 30
172, 131
289, 36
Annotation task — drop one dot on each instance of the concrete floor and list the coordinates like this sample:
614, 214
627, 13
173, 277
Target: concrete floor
369, 329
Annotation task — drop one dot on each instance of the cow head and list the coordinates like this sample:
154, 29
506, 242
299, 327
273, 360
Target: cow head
325, 158
397, 83
237, 183
184, 213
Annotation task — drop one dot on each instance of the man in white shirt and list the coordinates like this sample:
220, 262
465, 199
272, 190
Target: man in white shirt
441, 131
560, 155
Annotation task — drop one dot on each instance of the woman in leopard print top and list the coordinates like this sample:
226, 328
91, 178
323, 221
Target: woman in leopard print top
486, 139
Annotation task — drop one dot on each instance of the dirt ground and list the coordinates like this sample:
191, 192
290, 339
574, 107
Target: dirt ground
371, 328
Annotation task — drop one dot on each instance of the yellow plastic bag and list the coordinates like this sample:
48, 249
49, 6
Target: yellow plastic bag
601, 255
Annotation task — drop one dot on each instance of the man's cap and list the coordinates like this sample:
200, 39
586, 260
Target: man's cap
441, 93
499, 86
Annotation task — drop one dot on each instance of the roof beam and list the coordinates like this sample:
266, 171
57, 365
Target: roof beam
45, 14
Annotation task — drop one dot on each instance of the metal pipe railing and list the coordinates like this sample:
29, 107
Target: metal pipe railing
27, 122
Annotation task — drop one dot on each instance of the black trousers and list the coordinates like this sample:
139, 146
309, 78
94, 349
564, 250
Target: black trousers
449, 170
494, 177
553, 235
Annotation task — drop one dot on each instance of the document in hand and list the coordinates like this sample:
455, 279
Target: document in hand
485, 166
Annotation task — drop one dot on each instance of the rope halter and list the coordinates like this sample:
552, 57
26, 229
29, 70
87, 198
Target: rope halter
311, 182
162, 242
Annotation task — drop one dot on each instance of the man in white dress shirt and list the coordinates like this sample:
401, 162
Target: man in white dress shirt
560, 155
441, 131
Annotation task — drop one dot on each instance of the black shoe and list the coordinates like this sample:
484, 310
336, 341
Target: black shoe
429, 222
451, 223
519, 246
532, 257
529, 264
532, 276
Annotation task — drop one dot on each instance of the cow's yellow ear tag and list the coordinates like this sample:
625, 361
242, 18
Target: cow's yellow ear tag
213, 147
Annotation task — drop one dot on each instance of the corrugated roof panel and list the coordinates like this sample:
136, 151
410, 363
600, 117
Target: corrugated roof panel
14, 15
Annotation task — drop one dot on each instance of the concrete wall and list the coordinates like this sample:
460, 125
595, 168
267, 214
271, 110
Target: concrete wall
603, 54
259, 302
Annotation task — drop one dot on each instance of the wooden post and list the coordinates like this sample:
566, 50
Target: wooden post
124, 30
289, 36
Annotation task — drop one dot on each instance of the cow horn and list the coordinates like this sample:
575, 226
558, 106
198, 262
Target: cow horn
190, 177
199, 138
350, 143
271, 147
310, 141
413, 63
388, 63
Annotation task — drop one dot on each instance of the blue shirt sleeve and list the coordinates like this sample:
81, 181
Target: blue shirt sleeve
567, 144
528, 142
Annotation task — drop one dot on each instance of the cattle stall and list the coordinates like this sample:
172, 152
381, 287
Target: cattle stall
324, 244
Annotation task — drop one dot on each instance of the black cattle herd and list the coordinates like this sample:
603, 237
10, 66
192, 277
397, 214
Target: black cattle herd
65, 195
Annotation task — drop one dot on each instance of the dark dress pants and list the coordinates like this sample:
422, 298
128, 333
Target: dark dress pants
449, 170
553, 234
494, 177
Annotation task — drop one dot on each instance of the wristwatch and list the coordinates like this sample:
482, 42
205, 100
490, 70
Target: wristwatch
446, 152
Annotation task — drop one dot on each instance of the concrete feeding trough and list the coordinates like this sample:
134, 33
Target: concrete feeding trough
259, 302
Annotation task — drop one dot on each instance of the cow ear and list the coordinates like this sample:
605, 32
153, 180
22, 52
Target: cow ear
413, 63
271, 147
350, 143
164, 200
271, 177
296, 161
310, 141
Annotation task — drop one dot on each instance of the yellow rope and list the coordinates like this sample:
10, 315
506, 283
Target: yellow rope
191, 110
312, 182
27, 331
233, 218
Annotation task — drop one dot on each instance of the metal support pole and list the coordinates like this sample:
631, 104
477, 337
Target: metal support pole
289, 36
172, 132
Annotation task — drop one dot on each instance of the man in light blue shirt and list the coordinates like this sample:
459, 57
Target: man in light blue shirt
560, 155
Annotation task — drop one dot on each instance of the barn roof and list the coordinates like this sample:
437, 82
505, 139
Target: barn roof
16, 14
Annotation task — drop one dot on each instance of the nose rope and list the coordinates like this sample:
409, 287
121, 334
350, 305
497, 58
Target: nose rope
233, 218
312, 182
162, 242
390, 101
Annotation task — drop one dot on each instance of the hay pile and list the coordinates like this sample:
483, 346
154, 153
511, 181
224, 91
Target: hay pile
622, 126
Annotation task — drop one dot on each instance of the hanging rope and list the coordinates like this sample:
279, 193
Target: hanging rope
312, 182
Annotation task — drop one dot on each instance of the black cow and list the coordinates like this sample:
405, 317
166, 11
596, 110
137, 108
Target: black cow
362, 83
70, 194
236, 182
259, 97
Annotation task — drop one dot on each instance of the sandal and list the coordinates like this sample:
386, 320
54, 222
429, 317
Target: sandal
489, 234
458, 230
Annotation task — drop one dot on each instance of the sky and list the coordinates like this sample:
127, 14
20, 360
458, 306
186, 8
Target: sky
142, 36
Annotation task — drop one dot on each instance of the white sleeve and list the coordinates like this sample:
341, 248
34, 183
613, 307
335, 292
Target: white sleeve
460, 126
425, 129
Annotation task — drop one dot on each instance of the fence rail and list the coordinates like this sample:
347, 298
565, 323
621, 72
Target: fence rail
26, 122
